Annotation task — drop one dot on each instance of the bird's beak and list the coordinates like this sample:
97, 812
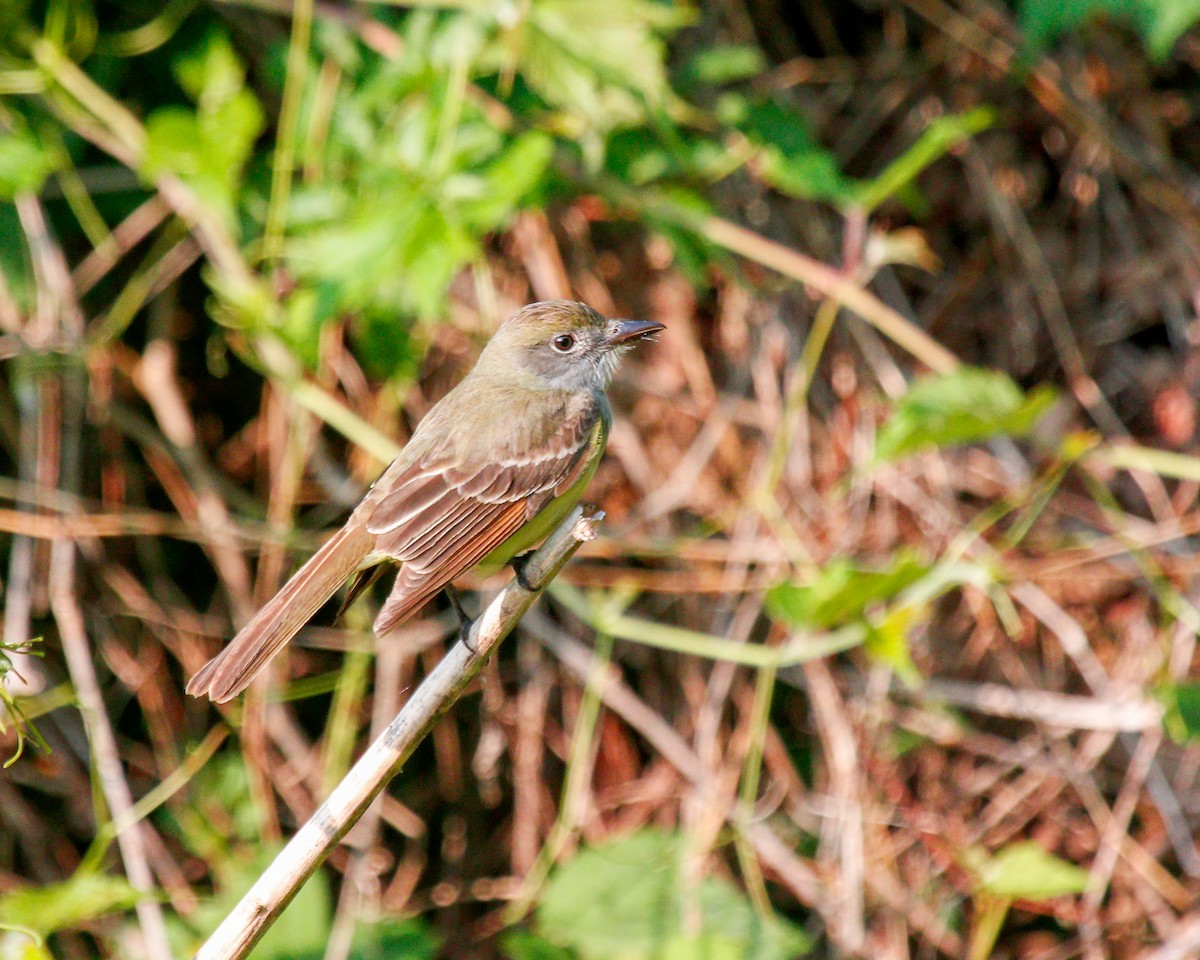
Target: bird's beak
626, 331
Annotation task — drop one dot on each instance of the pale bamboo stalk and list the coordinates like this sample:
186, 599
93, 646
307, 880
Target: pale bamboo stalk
305, 852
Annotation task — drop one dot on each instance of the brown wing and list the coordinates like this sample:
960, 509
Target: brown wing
441, 517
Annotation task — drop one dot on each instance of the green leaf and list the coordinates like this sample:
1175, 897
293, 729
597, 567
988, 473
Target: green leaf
207, 148
24, 165
842, 592
727, 63
1167, 22
1025, 871
60, 906
789, 158
385, 344
508, 181
1159, 22
14, 259
623, 901
940, 136
211, 72
888, 642
1182, 715
408, 939
968, 405
601, 62
525, 945
1044, 20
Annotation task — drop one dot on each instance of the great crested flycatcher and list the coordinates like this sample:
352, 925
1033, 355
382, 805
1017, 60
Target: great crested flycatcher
493, 467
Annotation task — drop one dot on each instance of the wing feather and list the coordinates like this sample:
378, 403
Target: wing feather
440, 516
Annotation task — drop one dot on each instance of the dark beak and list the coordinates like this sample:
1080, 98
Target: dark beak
627, 331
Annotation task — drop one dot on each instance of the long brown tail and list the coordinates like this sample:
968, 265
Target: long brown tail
230, 671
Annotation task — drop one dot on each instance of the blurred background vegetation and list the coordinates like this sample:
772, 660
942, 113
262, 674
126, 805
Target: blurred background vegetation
888, 647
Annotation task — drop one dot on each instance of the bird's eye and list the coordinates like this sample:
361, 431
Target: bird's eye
563, 342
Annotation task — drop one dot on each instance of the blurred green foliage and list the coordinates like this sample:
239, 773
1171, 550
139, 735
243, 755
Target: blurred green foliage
85, 896
1158, 22
401, 164
207, 147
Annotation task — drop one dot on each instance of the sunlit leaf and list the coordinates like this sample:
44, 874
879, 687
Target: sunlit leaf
24, 165
211, 73
1159, 22
206, 148
968, 405
603, 62
843, 591
60, 906
727, 63
940, 136
623, 901
887, 641
1168, 21
1025, 871
508, 180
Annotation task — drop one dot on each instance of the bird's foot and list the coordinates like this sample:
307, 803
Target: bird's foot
519, 563
464, 622
464, 635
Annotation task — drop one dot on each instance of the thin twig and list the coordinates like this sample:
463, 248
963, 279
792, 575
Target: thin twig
77, 651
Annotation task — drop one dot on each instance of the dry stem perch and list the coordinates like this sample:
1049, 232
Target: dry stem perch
272, 892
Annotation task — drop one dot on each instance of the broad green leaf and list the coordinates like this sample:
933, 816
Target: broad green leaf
623, 901
968, 405
843, 591
60, 906
712, 946
602, 62
1025, 871
24, 165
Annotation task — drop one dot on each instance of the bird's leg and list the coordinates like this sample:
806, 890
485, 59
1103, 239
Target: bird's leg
519, 563
464, 622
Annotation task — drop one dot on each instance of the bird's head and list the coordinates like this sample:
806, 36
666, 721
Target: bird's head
565, 344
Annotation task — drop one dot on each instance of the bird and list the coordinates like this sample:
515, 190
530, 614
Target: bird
491, 469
